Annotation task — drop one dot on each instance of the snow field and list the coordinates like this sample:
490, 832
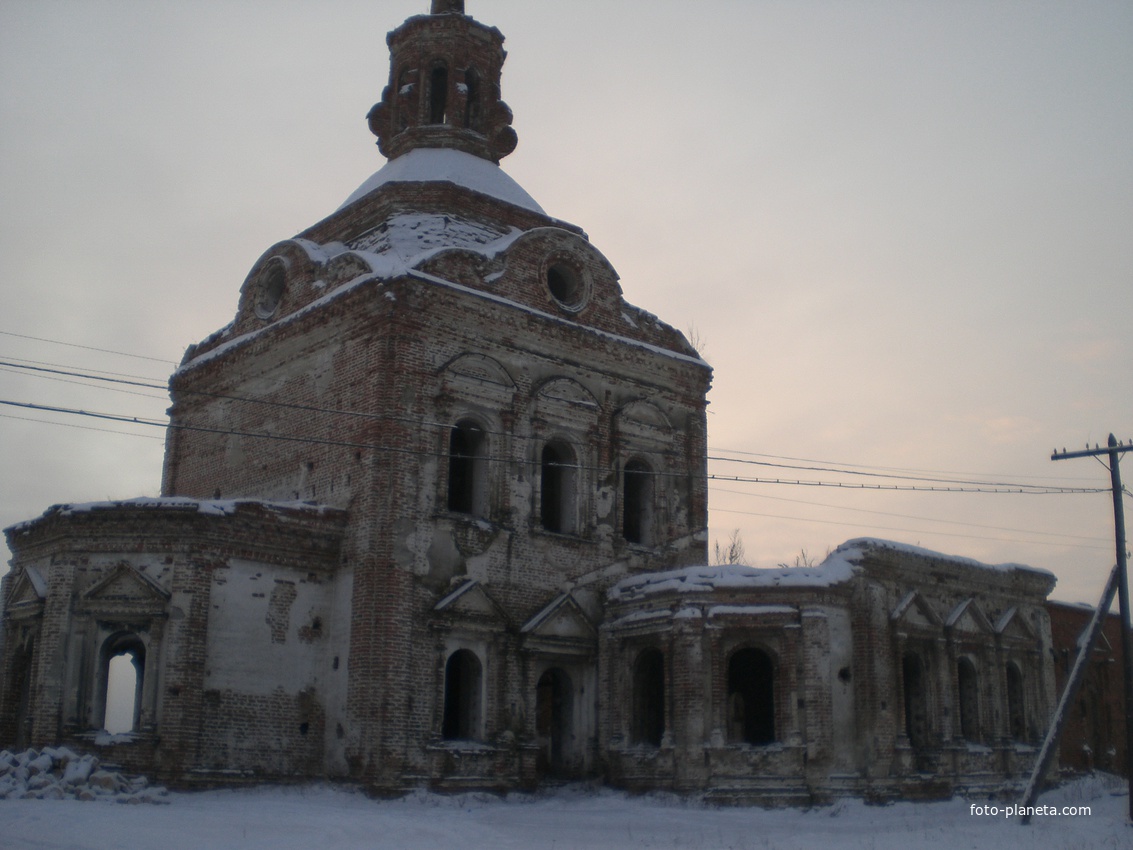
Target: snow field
322, 817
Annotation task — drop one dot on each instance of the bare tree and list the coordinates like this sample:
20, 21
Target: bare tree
803, 560
696, 339
732, 553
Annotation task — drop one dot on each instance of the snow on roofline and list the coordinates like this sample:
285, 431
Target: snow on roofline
838, 567
861, 543
209, 507
440, 165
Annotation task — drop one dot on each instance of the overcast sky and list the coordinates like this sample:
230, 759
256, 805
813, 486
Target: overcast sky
902, 231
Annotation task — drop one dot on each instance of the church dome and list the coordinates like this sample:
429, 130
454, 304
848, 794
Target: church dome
424, 165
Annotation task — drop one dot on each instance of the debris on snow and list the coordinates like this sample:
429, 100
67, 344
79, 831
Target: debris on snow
58, 773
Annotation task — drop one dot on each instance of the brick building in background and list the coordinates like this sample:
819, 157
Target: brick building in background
434, 513
1094, 735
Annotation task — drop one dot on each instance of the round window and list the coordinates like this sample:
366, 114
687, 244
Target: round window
269, 289
566, 285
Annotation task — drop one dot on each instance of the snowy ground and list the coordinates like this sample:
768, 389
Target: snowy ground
327, 818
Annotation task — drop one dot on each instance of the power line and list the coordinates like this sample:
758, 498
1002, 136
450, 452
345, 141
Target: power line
81, 427
868, 466
967, 487
912, 488
914, 531
164, 398
835, 470
891, 514
88, 347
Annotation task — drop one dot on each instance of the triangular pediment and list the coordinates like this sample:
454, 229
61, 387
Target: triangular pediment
28, 591
1013, 626
914, 610
967, 617
562, 618
470, 600
124, 584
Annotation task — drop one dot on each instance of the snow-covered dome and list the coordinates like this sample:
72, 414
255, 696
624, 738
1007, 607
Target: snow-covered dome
423, 165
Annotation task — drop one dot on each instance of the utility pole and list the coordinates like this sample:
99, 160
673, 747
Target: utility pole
1115, 450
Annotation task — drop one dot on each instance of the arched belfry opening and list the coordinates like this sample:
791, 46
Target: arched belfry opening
438, 94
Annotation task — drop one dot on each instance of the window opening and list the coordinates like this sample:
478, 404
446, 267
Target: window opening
566, 285
1016, 711
969, 700
648, 698
636, 501
462, 696
553, 721
467, 470
123, 677
438, 94
751, 697
916, 701
557, 488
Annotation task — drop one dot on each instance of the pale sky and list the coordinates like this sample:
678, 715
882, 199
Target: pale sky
902, 231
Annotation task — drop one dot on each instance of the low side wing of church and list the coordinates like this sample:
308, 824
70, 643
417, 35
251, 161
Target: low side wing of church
434, 513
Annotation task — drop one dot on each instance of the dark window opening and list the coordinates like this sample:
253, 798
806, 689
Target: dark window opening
648, 725
472, 109
566, 285
636, 502
553, 722
438, 94
916, 701
462, 696
557, 488
969, 700
1016, 711
751, 697
467, 470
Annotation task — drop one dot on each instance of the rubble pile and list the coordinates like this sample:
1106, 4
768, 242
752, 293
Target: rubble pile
57, 773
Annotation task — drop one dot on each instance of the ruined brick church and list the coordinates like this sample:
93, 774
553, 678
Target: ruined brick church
434, 513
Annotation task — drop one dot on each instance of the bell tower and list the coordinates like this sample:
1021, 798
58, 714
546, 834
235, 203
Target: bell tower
444, 87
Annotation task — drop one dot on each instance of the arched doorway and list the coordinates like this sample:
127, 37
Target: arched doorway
21, 681
751, 697
553, 727
916, 700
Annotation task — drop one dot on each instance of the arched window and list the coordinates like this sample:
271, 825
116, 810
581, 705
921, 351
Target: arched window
637, 501
467, 469
462, 696
123, 674
472, 109
916, 700
648, 722
751, 697
557, 491
968, 683
1016, 708
438, 94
